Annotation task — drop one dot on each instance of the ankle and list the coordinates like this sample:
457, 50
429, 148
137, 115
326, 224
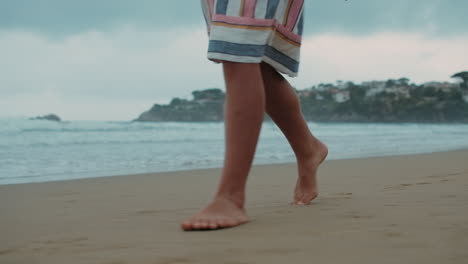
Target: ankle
236, 198
315, 151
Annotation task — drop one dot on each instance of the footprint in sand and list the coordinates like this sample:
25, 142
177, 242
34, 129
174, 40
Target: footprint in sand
393, 234
66, 241
53, 245
280, 251
149, 212
59, 194
345, 193
342, 195
173, 261
357, 215
423, 183
7, 251
438, 176
447, 180
449, 196
401, 186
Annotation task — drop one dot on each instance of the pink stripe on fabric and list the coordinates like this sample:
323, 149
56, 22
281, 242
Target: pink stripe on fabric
249, 8
211, 7
247, 21
294, 14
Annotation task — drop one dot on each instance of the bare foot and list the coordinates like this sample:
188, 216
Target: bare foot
221, 213
306, 187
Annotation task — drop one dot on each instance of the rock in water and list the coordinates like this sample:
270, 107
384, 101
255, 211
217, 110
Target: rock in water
50, 117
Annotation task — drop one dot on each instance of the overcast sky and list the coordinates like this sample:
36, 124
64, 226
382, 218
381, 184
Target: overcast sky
113, 59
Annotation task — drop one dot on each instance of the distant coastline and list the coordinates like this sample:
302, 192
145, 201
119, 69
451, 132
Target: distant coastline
388, 101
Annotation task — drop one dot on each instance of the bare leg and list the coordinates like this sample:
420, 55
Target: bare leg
283, 106
244, 111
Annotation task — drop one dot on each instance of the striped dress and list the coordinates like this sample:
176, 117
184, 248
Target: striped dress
254, 31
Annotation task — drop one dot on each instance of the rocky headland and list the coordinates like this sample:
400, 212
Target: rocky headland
206, 106
393, 100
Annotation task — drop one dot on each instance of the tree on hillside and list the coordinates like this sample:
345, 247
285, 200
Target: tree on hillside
212, 94
464, 77
177, 101
403, 81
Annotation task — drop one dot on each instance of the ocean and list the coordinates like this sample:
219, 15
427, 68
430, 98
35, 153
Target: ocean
39, 150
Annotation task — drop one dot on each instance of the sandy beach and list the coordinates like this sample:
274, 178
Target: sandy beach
399, 209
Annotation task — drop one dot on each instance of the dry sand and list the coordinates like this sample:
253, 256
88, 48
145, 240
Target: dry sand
401, 209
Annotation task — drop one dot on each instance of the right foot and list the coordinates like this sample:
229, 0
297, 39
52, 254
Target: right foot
221, 213
306, 187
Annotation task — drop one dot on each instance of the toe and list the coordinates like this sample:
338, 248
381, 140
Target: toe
298, 199
307, 198
204, 224
219, 222
190, 224
222, 222
213, 225
197, 225
232, 222
186, 225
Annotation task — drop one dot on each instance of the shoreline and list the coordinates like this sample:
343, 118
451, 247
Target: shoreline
393, 209
105, 175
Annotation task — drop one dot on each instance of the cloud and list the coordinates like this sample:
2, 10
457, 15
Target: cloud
61, 18
329, 57
126, 65
69, 108
110, 64
58, 18
116, 75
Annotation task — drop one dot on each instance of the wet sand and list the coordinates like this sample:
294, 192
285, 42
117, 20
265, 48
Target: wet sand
399, 209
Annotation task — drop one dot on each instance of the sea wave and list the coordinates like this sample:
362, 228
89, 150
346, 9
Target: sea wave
33, 150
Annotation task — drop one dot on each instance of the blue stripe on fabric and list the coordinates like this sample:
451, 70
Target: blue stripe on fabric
282, 59
253, 50
230, 48
221, 6
271, 8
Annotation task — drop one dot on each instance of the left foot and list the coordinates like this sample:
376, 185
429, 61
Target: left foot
306, 187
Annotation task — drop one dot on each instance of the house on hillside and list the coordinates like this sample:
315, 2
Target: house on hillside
342, 85
374, 87
397, 87
324, 87
445, 87
303, 93
208, 96
340, 96
399, 91
465, 96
